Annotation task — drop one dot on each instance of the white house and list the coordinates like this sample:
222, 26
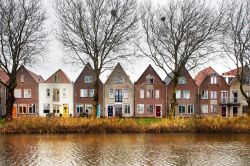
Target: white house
56, 96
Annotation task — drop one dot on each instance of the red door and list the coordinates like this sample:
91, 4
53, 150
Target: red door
158, 111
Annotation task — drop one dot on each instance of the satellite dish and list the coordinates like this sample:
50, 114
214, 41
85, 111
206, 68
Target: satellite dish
114, 13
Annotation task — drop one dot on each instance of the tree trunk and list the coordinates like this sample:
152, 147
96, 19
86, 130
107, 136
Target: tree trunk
173, 101
10, 99
96, 97
248, 107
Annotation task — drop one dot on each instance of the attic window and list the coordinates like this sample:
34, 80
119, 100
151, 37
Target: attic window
149, 79
22, 78
56, 78
182, 80
118, 79
213, 78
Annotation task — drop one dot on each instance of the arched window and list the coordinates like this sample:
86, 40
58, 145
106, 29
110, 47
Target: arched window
214, 78
149, 79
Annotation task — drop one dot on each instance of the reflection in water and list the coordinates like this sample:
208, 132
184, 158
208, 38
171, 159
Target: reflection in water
126, 149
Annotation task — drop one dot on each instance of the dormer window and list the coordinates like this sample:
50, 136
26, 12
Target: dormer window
182, 80
149, 79
88, 79
214, 78
22, 78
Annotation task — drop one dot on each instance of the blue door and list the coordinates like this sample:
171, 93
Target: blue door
110, 111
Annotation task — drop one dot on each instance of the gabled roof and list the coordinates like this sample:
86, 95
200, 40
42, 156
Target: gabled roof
37, 78
119, 67
168, 79
147, 69
87, 66
65, 78
203, 74
230, 73
3, 76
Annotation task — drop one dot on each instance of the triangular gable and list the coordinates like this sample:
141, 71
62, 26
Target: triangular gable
3, 76
118, 67
87, 67
148, 71
35, 77
58, 77
199, 78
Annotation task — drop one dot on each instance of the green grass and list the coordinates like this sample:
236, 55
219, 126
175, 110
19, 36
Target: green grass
1, 122
147, 121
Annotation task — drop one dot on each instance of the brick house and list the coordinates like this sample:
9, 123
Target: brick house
26, 93
4, 78
213, 93
150, 96
56, 95
84, 91
118, 94
237, 102
186, 95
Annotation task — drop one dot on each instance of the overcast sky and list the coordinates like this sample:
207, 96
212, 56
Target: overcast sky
54, 57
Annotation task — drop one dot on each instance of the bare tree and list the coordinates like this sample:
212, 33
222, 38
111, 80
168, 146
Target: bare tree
21, 40
180, 35
99, 31
236, 40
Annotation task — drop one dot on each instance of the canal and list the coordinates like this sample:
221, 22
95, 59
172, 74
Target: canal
126, 149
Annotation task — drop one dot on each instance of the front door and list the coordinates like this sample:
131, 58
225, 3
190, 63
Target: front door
224, 112
158, 111
110, 111
65, 110
118, 110
235, 111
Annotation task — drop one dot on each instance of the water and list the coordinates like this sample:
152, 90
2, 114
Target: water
126, 149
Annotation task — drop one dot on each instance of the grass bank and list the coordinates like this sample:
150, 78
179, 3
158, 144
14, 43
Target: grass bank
40, 125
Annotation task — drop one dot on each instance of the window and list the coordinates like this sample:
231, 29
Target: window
88, 108
157, 94
125, 93
118, 95
213, 108
150, 93
32, 108
140, 108
64, 92
22, 109
48, 92
245, 80
213, 78
213, 95
83, 93
150, 109
91, 92
111, 94
186, 94
204, 108
18, 93
182, 80
149, 79
204, 94
27, 93
56, 108
118, 79
142, 94
190, 109
178, 94
244, 109
127, 108
79, 108
46, 108
22, 78
182, 109
88, 79
56, 78
56, 95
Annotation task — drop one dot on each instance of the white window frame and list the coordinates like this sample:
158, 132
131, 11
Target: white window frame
204, 108
84, 93
213, 78
33, 108
212, 106
22, 78
88, 79
190, 109
27, 93
142, 93
48, 92
125, 93
186, 94
205, 96
213, 94
127, 109
22, 106
78, 107
46, 105
18, 93
148, 93
181, 105
91, 92
111, 93
178, 94
64, 94
157, 94
140, 109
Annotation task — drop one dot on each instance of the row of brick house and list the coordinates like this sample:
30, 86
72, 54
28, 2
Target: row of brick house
208, 94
